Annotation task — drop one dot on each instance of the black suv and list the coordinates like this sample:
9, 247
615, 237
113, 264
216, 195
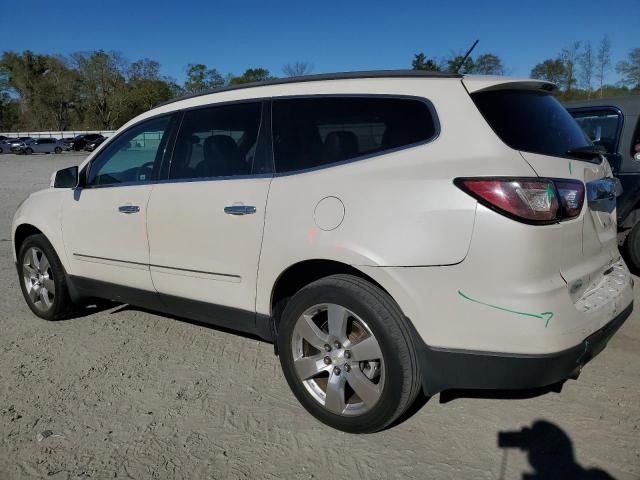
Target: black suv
613, 124
81, 141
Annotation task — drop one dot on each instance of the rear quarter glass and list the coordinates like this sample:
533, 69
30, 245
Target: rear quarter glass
531, 121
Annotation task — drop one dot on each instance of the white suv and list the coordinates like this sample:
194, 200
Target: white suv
390, 232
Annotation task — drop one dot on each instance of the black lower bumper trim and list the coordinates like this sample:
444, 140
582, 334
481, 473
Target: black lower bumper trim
453, 369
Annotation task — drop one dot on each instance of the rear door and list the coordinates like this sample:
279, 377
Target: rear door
529, 119
206, 220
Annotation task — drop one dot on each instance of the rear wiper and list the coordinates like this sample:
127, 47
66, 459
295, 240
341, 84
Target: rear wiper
588, 151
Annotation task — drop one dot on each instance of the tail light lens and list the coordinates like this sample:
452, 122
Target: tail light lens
528, 200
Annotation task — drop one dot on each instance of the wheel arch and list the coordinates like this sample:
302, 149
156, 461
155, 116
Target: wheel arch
300, 274
23, 231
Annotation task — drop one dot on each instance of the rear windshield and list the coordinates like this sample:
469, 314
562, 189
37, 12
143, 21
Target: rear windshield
531, 121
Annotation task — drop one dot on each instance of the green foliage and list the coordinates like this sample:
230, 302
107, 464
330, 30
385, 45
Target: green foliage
201, 78
550, 70
456, 64
630, 69
252, 75
421, 62
488, 64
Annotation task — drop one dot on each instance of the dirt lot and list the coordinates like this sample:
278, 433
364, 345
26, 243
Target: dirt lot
131, 394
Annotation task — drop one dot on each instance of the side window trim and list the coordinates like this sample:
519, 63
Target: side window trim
424, 100
604, 108
264, 143
83, 175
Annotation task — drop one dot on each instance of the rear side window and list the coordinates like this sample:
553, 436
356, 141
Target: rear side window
313, 132
531, 121
601, 126
217, 142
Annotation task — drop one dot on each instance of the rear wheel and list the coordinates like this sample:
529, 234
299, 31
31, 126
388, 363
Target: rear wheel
42, 279
347, 355
58, 150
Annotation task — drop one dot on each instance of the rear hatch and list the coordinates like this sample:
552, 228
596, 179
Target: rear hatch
527, 117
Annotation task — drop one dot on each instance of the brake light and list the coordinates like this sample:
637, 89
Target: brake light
528, 200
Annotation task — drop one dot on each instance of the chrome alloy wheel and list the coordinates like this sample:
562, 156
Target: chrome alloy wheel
338, 359
38, 279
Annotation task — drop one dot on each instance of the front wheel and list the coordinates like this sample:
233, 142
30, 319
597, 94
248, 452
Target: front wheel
42, 279
28, 151
58, 150
347, 354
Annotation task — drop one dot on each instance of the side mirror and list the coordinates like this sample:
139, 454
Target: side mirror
66, 178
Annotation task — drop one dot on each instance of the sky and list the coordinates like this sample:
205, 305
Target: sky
331, 35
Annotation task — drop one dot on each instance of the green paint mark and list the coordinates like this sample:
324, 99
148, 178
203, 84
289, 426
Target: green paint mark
546, 316
570, 168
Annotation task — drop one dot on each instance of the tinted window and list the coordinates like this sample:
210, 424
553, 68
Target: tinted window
217, 142
311, 132
601, 126
132, 156
531, 121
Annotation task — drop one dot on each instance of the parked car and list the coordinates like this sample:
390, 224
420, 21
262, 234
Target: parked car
391, 232
16, 143
39, 145
68, 143
5, 145
91, 146
614, 124
81, 141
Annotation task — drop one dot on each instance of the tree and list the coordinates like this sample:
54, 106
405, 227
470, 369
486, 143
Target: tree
252, 75
630, 69
569, 57
57, 92
587, 65
421, 62
144, 69
456, 64
551, 70
488, 64
603, 62
201, 78
103, 87
297, 69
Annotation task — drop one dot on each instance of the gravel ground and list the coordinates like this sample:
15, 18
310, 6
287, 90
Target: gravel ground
132, 394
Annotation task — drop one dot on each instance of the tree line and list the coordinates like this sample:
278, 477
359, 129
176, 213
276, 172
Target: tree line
103, 90
99, 89
579, 70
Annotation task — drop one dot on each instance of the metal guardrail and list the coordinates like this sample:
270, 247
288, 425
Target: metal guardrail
56, 134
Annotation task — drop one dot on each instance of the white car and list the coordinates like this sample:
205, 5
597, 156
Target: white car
390, 232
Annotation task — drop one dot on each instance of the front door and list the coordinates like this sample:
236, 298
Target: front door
206, 221
104, 221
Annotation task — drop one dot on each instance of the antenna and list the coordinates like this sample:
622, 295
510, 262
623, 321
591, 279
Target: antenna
464, 59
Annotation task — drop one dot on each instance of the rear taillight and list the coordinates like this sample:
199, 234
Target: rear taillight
529, 200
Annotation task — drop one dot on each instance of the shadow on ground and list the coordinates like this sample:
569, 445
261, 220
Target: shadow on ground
549, 451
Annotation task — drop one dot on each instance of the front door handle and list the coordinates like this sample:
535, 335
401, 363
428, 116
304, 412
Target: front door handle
128, 209
239, 210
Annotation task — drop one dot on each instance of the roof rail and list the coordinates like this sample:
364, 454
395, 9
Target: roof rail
321, 77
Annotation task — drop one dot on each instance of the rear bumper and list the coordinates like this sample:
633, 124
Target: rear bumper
451, 369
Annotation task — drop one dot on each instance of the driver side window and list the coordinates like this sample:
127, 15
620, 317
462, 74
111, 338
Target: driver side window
132, 157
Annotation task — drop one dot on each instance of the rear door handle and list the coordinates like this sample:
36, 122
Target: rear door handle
239, 209
128, 209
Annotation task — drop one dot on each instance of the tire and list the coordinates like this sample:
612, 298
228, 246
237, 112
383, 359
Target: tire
632, 248
28, 151
58, 150
389, 378
38, 279
1, 151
